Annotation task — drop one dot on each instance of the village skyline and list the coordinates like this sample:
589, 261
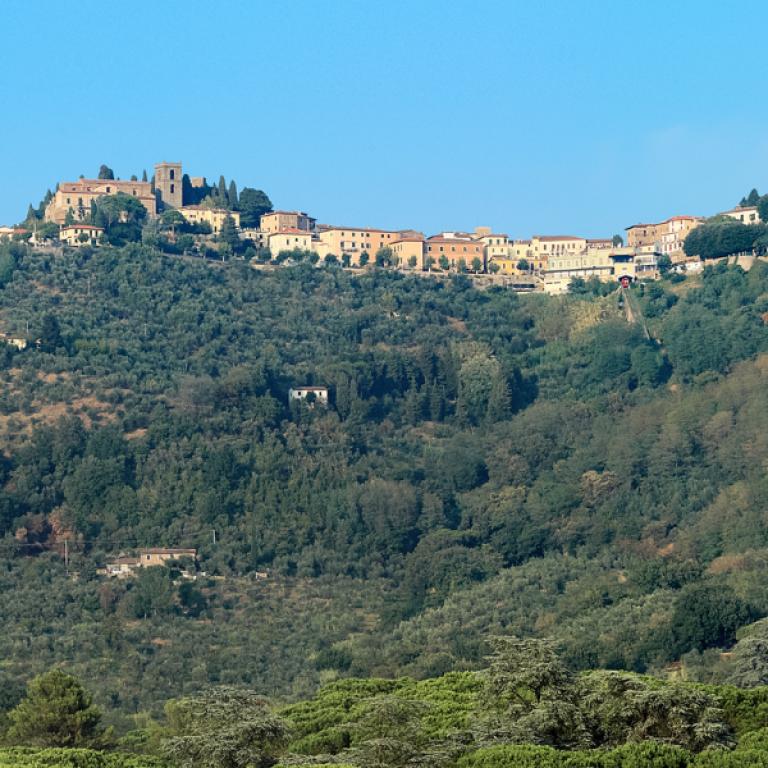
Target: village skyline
525, 119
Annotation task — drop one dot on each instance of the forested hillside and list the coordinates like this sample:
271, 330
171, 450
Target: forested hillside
488, 464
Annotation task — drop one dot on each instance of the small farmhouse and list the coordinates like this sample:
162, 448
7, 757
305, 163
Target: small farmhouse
123, 565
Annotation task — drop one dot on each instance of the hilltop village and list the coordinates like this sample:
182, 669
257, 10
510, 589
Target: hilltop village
184, 215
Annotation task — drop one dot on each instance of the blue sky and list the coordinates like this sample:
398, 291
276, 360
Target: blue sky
547, 116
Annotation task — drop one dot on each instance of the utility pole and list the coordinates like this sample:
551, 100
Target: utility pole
214, 536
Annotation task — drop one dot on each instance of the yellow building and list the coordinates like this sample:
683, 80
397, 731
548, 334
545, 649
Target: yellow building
456, 253
289, 239
606, 264
77, 235
408, 252
521, 249
543, 247
280, 220
354, 242
214, 217
76, 197
495, 246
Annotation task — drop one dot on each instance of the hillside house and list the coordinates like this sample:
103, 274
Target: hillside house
311, 394
124, 566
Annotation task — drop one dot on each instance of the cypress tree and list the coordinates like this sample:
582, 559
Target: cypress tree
499, 399
232, 195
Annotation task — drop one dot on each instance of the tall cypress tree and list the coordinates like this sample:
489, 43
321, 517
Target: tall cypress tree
232, 195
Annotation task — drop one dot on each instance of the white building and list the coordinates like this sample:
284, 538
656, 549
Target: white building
320, 394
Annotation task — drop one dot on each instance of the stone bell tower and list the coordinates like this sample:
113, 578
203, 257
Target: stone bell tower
168, 184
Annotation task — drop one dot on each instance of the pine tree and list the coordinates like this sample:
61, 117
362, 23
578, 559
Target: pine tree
31, 213
56, 712
228, 234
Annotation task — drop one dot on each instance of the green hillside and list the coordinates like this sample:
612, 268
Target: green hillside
488, 464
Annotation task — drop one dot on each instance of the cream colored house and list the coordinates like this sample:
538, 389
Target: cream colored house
214, 217
77, 235
543, 247
746, 215
564, 267
289, 240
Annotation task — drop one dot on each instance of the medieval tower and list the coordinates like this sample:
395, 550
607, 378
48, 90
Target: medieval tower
168, 184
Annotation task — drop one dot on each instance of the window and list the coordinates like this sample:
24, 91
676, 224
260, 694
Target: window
172, 177
173, 186
109, 189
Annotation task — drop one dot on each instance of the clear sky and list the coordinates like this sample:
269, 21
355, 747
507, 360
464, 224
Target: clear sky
545, 116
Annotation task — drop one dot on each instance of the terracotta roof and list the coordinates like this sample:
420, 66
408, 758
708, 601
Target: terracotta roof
167, 551
124, 561
550, 238
453, 241
291, 231
287, 213
408, 240
105, 182
81, 226
333, 227
204, 208
309, 389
